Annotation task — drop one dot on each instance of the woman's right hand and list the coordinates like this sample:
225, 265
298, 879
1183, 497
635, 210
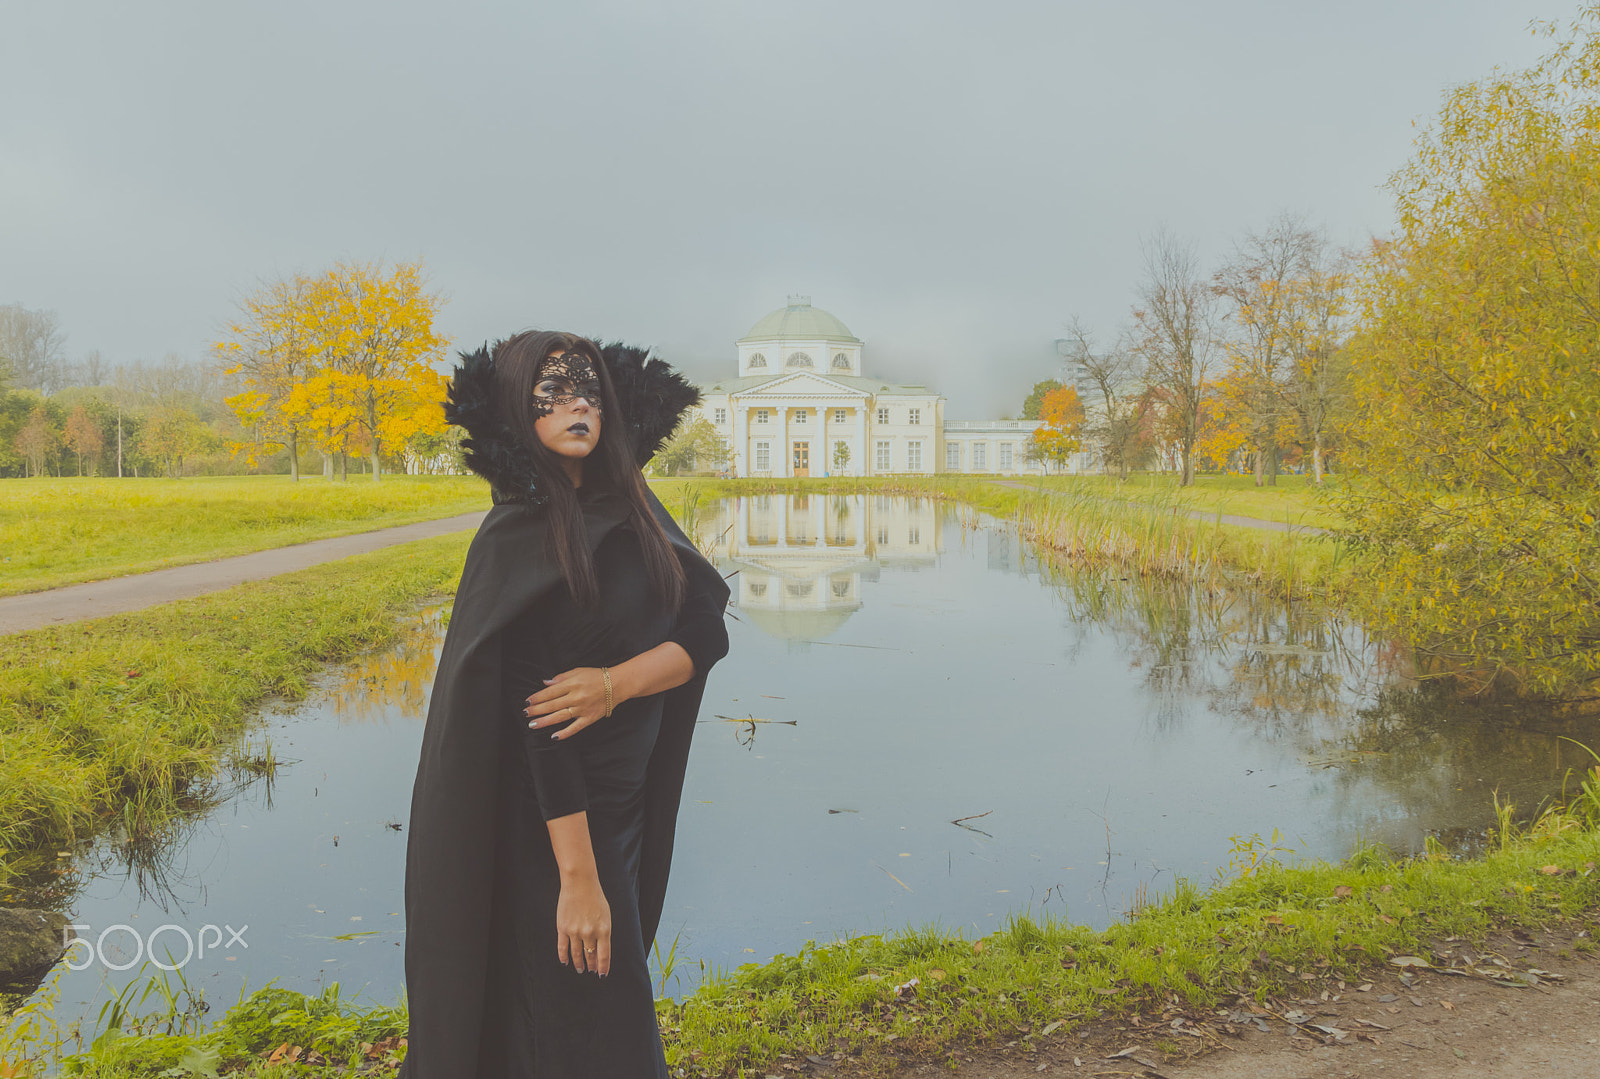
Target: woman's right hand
583, 926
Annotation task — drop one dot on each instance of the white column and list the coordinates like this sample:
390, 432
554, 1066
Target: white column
785, 449
861, 433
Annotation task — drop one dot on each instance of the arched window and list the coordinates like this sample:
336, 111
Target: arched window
798, 359
841, 362
757, 360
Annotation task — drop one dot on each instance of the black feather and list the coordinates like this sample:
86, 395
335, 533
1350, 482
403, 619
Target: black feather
651, 396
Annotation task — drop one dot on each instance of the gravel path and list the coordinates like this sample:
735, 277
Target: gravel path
96, 599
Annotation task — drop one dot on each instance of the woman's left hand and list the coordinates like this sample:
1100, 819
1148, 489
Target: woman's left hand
578, 695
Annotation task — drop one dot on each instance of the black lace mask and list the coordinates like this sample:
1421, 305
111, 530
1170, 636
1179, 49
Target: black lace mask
562, 380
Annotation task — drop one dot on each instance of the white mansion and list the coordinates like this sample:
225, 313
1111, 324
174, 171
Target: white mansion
801, 406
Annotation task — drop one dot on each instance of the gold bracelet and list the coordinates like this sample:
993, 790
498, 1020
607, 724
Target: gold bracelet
605, 673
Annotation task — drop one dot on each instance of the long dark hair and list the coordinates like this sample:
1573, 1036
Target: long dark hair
610, 465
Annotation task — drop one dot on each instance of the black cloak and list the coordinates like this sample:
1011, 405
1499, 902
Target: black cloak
451, 844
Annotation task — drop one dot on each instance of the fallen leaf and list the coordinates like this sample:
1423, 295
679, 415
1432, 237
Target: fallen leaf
1550, 870
1343, 891
936, 974
1410, 961
1447, 1006
1364, 988
1128, 1052
1050, 1028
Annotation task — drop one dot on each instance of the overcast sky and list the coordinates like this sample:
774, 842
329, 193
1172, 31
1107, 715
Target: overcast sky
953, 180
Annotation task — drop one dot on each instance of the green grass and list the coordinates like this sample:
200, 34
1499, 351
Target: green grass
1295, 500
117, 721
62, 531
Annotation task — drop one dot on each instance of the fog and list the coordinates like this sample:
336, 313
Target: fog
953, 180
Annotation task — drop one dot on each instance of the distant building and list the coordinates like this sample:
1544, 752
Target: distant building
801, 406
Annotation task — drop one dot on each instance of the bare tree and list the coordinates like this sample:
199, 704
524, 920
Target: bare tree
30, 348
1174, 336
1111, 383
94, 370
1262, 284
1315, 384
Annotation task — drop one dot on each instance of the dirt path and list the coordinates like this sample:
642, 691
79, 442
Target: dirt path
1438, 1025
34, 610
1210, 515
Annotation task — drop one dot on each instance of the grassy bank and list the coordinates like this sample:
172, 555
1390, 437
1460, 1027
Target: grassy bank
61, 531
1293, 500
1274, 935
118, 721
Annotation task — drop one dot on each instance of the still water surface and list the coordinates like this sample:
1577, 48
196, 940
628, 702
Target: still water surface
917, 723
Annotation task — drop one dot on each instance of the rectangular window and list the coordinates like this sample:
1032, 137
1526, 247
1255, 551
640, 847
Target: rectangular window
1005, 456
980, 457
801, 415
763, 456
838, 415
952, 456
761, 415
722, 415
913, 456
882, 463
916, 416
914, 535
883, 415
883, 534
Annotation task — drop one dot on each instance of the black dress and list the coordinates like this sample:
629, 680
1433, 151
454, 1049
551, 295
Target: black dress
541, 1019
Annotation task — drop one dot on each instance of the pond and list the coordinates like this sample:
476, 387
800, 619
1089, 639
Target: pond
918, 723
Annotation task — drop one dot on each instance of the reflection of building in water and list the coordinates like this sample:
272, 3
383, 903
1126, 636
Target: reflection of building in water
801, 559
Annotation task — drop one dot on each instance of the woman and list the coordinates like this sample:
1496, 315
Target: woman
559, 725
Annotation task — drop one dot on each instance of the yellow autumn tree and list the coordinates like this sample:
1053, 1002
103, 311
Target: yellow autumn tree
375, 329
269, 344
1060, 431
343, 359
1476, 381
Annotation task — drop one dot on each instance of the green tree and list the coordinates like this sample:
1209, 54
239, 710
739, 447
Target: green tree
1030, 407
694, 445
1476, 380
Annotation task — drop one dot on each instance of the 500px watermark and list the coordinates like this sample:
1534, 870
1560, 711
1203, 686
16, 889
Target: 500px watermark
195, 944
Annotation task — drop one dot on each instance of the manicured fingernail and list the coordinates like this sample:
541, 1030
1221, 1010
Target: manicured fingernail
532, 723
549, 681
555, 734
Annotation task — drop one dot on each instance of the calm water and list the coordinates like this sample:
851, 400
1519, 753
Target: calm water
917, 723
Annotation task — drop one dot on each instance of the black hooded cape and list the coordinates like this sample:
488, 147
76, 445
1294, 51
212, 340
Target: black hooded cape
451, 843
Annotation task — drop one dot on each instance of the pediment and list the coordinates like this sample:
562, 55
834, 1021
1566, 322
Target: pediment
801, 384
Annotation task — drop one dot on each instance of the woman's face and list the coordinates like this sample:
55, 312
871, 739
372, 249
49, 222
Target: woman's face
566, 397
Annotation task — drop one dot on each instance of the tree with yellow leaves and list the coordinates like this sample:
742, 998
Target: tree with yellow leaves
1476, 378
270, 345
376, 331
344, 359
1060, 431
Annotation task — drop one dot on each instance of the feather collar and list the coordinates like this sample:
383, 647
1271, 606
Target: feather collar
651, 395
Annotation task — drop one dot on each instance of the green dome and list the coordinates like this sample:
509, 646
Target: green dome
800, 322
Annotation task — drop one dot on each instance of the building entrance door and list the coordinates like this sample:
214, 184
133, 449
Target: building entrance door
802, 458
